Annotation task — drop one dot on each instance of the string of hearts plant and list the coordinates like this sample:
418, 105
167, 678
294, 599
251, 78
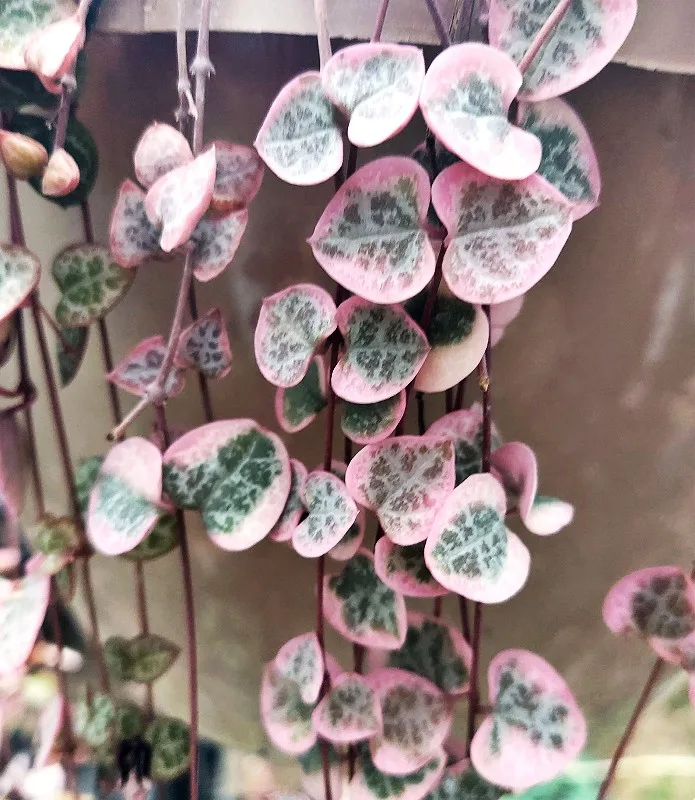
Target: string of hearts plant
431, 254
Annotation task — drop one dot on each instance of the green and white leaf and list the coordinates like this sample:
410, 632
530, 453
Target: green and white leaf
162, 539
20, 19
297, 406
371, 783
142, 659
86, 474
170, 742
95, 722
19, 275
70, 360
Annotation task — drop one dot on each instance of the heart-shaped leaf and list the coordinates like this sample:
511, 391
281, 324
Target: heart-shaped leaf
350, 712
23, 605
536, 727
371, 783
371, 238
568, 162
19, 275
178, 200
294, 507
51, 51
236, 473
13, 461
161, 149
298, 406
405, 481
367, 423
503, 236
348, 546
464, 429
216, 240
377, 86
140, 368
433, 650
584, 40
142, 659
331, 514
95, 720
548, 515
465, 100
291, 325
301, 660
384, 351
70, 359
470, 551
238, 178
48, 729
169, 739
86, 474
657, 602
362, 608
300, 139
204, 345
20, 19
162, 539
417, 718
403, 568
285, 716
132, 237
458, 335
462, 782
124, 503
90, 282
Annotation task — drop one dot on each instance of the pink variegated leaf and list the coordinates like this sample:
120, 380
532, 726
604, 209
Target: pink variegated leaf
331, 513
470, 551
433, 650
516, 466
13, 463
294, 507
216, 240
403, 569
132, 237
417, 718
362, 608
300, 138
457, 333
124, 504
49, 726
536, 727
503, 236
548, 515
371, 237
177, 201
584, 40
465, 100
657, 603
291, 325
348, 546
51, 51
238, 178
376, 86
285, 716
204, 345
19, 275
23, 606
61, 176
371, 783
301, 661
20, 21
404, 480
464, 429
350, 712
140, 367
368, 423
569, 161
384, 350
160, 149
460, 781
236, 473
296, 407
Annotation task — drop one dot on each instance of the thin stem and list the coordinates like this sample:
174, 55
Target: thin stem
24, 380
107, 360
143, 617
186, 106
189, 601
94, 625
460, 395
203, 384
61, 121
439, 24
437, 607
543, 34
421, 421
475, 665
380, 20
322, 32
465, 623
649, 686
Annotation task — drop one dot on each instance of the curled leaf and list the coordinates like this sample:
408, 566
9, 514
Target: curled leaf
371, 237
238, 178
294, 507
71, 347
548, 515
51, 52
470, 551
366, 423
300, 139
22, 156
377, 86
23, 606
465, 100
503, 236
296, 407
140, 367
404, 480
215, 242
160, 149
132, 237
291, 325
61, 176
205, 346
331, 513
536, 727
403, 568
142, 659
19, 275
350, 712
384, 349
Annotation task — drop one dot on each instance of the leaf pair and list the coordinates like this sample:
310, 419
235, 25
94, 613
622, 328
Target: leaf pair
376, 86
